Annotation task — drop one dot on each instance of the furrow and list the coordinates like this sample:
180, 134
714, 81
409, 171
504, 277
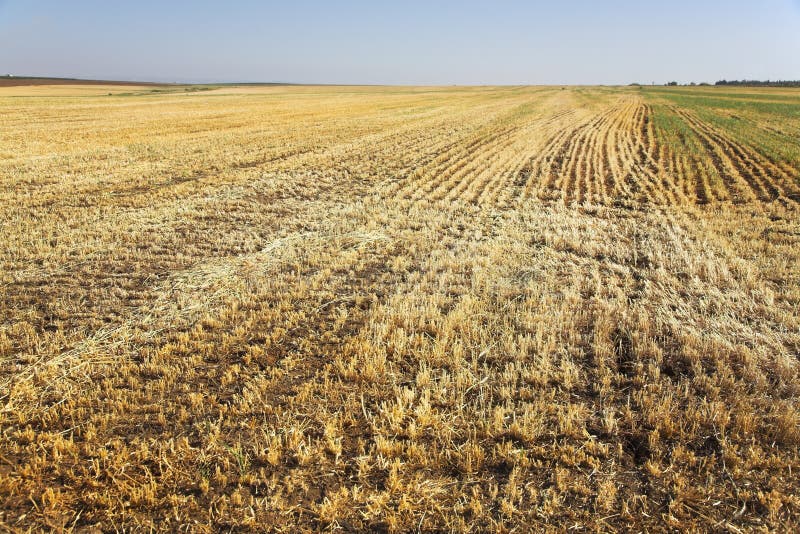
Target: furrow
742, 187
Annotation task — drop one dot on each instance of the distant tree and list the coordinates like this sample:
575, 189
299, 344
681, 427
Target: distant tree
760, 83
672, 83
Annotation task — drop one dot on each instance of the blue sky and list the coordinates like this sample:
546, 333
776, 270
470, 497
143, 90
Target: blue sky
403, 42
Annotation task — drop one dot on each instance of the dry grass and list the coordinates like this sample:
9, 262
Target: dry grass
400, 309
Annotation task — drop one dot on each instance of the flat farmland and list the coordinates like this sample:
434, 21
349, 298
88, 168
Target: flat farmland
400, 309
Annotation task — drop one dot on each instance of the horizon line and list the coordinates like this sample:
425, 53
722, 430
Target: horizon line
134, 81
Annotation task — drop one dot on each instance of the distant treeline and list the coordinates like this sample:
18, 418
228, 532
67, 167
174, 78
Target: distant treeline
761, 83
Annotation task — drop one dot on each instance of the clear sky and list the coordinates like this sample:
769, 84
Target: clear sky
403, 41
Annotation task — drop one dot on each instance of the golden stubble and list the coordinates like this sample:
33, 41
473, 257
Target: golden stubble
396, 309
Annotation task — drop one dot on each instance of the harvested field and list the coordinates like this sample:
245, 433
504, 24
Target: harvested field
400, 309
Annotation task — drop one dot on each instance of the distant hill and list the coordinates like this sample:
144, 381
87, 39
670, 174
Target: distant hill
12, 81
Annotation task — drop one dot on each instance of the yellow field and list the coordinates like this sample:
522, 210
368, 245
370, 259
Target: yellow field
400, 309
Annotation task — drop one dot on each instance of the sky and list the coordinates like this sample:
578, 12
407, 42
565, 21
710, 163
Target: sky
402, 42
